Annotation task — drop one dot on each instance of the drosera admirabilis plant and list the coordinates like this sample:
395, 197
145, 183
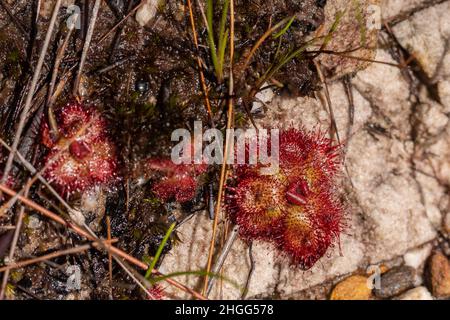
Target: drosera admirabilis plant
80, 152
298, 209
179, 182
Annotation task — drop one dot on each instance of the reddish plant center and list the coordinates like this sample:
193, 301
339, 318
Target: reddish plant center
79, 150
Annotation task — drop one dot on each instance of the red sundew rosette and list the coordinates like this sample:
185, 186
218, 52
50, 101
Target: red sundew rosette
256, 205
178, 182
82, 155
310, 229
309, 218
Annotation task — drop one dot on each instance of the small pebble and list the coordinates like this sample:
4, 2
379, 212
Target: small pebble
262, 98
352, 288
147, 12
439, 275
34, 222
419, 293
416, 257
396, 281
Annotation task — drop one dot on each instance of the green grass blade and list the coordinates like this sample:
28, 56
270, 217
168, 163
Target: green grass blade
222, 49
159, 251
285, 29
274, 68
333, 28
223, 36
210, 30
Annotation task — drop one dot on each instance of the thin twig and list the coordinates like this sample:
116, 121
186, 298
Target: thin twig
344, 55
108, 227
114, 65
36, 75
121, 21
261, 40
351, 105
38, 10
220, 261
58, 59
34, 171
86, 46
334, 128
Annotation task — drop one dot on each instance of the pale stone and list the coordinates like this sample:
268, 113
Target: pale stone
419, 293
416, 257
47, 6
272, 271
352, 288
34, 222
394, 8
355, 31
262, 98
426, 40
147, 12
